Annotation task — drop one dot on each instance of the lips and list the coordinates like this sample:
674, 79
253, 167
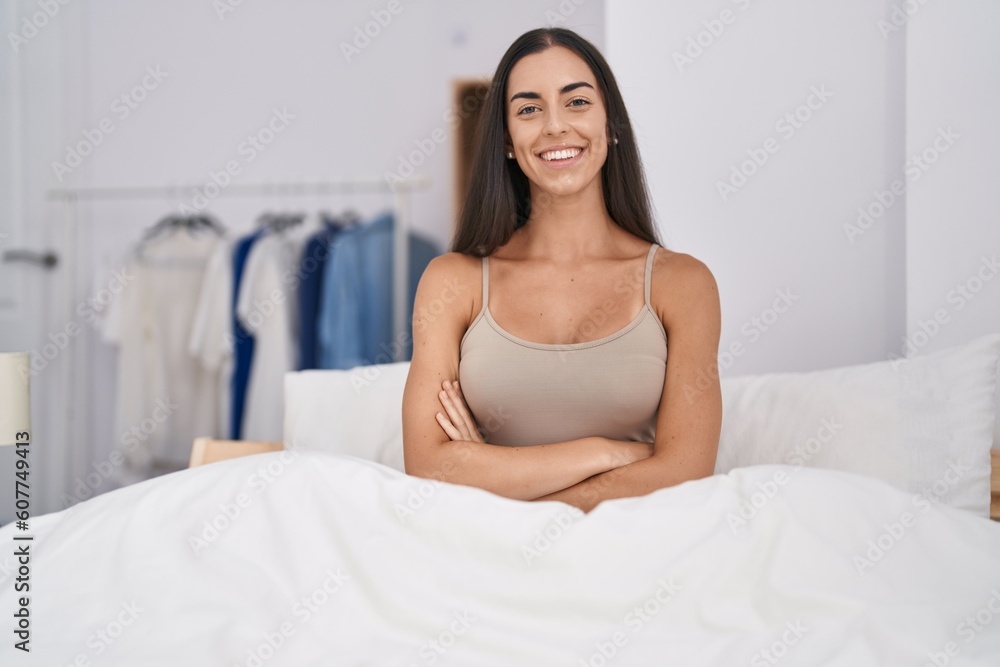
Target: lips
563, 157
561, 153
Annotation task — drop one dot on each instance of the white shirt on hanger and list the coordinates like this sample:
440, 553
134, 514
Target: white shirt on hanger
166, 398
211, 342
267, 306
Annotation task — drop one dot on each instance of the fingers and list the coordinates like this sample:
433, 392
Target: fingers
459, 414
448, 427
463, 410
454, 418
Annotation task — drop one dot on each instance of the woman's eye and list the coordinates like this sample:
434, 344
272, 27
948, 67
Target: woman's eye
579, 99
523, 109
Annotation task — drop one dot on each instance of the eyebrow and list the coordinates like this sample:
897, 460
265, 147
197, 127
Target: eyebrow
562, 91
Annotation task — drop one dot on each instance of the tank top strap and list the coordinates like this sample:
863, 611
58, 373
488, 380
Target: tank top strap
486, 282
649, 271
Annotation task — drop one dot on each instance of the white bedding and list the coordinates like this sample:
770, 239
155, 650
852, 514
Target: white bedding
469, 578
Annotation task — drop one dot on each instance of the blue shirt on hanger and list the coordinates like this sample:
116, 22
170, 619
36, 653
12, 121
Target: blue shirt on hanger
315, 256
355, 319
243, 339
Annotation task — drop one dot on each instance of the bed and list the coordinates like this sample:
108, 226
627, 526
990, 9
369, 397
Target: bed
847, 524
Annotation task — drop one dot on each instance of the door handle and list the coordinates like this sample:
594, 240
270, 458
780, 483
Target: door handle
46, 259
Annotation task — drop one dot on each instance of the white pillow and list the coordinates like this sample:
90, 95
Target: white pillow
903, 421
357, 411
924, 424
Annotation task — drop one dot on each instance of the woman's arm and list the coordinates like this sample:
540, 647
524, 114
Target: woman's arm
441, 312
689, 418
522, 473
514, 471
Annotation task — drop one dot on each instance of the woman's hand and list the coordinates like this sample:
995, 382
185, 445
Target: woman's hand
458, 423
624, 452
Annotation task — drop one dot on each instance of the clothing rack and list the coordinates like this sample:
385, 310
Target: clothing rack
75, 458
401, 220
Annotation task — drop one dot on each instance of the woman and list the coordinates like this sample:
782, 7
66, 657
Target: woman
539, 367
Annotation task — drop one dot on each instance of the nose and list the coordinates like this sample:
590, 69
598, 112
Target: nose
555, 124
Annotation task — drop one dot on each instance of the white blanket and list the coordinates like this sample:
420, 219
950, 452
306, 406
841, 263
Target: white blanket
317, 558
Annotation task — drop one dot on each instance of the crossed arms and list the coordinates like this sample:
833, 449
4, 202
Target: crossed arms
587, 471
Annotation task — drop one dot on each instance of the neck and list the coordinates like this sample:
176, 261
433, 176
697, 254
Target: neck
568, 228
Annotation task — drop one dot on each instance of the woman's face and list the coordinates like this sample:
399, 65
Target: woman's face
554, 104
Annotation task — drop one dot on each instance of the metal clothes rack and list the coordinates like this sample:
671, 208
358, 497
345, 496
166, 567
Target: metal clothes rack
401, 191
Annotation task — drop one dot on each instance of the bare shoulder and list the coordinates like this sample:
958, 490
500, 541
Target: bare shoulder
683, 289
451, 282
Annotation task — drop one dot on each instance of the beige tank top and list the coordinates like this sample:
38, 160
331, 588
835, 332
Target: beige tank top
523, 393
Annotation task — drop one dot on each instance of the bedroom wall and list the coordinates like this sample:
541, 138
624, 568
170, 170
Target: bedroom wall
953, 217
710, 84
360, 109
778, 233
759, 195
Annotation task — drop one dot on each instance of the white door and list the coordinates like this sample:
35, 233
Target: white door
33, 290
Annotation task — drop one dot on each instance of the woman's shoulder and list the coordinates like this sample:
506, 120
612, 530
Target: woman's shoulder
680, 283
457, 269
451, 281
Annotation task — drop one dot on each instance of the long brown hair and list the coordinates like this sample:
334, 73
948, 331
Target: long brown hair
498, 199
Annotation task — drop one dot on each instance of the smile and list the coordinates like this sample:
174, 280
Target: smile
562, 158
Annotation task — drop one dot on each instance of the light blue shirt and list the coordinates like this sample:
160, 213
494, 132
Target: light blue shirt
355, 314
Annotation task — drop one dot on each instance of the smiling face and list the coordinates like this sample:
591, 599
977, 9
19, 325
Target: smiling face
556, 122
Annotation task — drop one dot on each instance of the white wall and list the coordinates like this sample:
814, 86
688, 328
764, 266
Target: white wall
865, 285
952, 210
784, 228
223, 77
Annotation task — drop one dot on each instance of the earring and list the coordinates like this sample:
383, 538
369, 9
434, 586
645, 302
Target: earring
616, 141
510, 155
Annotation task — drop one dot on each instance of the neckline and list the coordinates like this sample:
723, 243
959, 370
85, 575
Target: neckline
565, 346
488, 316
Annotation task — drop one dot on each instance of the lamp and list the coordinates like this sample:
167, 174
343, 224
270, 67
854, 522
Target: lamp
15, 410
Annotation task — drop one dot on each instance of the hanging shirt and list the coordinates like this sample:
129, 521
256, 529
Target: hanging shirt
355, 320
267, 307
211, 341
165, 397
243, 343
314, 259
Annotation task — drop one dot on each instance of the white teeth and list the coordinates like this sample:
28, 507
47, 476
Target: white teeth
562, 155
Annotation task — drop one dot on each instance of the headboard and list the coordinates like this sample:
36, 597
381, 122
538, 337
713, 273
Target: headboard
995, 486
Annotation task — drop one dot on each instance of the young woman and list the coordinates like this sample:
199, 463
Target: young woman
540, 367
